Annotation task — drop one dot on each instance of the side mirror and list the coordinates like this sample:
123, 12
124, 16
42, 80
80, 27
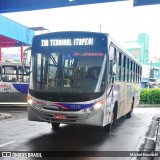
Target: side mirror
26, 59
114, 69
26, 55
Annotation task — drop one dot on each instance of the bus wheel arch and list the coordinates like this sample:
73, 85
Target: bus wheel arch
108, 127
115, 111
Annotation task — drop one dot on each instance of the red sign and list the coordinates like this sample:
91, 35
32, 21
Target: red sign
59, 116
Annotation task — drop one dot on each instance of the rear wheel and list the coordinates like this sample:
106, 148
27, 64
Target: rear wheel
129, 114
55, 126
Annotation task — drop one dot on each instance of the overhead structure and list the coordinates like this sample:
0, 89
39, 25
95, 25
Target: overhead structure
13, 34
7, 6
145, 2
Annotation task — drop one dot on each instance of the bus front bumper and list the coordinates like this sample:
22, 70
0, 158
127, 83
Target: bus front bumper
95, 119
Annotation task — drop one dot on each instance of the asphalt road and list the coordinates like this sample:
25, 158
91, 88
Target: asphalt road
19, 134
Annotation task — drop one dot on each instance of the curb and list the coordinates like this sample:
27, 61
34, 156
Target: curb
148, 106
157, 145
150, 140
5, 116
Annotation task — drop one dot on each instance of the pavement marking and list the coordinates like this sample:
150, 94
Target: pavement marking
2, 145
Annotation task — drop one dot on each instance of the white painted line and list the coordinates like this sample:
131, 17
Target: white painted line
5, 144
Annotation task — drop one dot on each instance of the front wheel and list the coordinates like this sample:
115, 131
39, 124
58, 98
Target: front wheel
108, 127
55, 126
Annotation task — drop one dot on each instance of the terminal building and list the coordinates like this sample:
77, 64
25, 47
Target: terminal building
150, 70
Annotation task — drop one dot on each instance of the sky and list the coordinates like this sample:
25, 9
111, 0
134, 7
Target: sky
120, 19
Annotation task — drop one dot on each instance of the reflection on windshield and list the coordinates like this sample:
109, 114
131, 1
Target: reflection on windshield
76, 72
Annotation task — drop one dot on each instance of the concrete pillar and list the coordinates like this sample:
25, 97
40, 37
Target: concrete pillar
0, 53
22, 56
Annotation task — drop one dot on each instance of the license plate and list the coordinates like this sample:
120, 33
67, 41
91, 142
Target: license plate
59, 116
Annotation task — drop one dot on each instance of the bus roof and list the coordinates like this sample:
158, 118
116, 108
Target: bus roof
115, 43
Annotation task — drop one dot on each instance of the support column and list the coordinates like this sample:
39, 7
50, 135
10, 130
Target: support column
22, 56
0, 53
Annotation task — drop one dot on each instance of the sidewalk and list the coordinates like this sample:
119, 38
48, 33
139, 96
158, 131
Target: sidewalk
5, 116
157, 142
5, 107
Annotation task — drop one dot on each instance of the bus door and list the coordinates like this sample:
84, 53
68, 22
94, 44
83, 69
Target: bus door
112, 93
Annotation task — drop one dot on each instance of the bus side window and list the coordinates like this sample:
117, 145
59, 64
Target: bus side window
124, 68
134, 73
119, 61
22, 75
0, 73
131, 72
9, 73
4, 78
128, 65
112, 61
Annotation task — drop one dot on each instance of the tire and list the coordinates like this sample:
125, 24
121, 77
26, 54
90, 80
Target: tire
129, 114
55, 126
108, 127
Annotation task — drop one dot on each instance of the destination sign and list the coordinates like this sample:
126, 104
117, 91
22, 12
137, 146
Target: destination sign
88, 54
67, 42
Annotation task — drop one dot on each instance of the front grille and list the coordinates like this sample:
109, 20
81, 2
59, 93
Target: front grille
60, 109
69, 118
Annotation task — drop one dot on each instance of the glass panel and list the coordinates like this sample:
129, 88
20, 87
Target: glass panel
70, 72
9, 74
22, 75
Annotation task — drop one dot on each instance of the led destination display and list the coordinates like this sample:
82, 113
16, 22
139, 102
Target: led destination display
68, 42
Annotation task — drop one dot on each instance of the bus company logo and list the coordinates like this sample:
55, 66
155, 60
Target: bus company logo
5, 86
6, 154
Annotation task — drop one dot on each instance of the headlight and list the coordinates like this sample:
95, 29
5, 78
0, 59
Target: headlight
33, 104
29, 101
96, 107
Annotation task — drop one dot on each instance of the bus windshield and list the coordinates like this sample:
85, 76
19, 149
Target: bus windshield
75, 72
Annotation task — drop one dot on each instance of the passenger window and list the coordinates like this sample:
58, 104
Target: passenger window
9, 73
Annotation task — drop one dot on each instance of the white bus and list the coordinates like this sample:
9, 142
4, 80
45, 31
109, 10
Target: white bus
13, 83
61, 89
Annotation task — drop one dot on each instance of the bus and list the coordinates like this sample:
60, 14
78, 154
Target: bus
60, 90
13, 83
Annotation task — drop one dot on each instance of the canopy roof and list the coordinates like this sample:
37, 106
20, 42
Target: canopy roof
14, 34
27, 5
17, 33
